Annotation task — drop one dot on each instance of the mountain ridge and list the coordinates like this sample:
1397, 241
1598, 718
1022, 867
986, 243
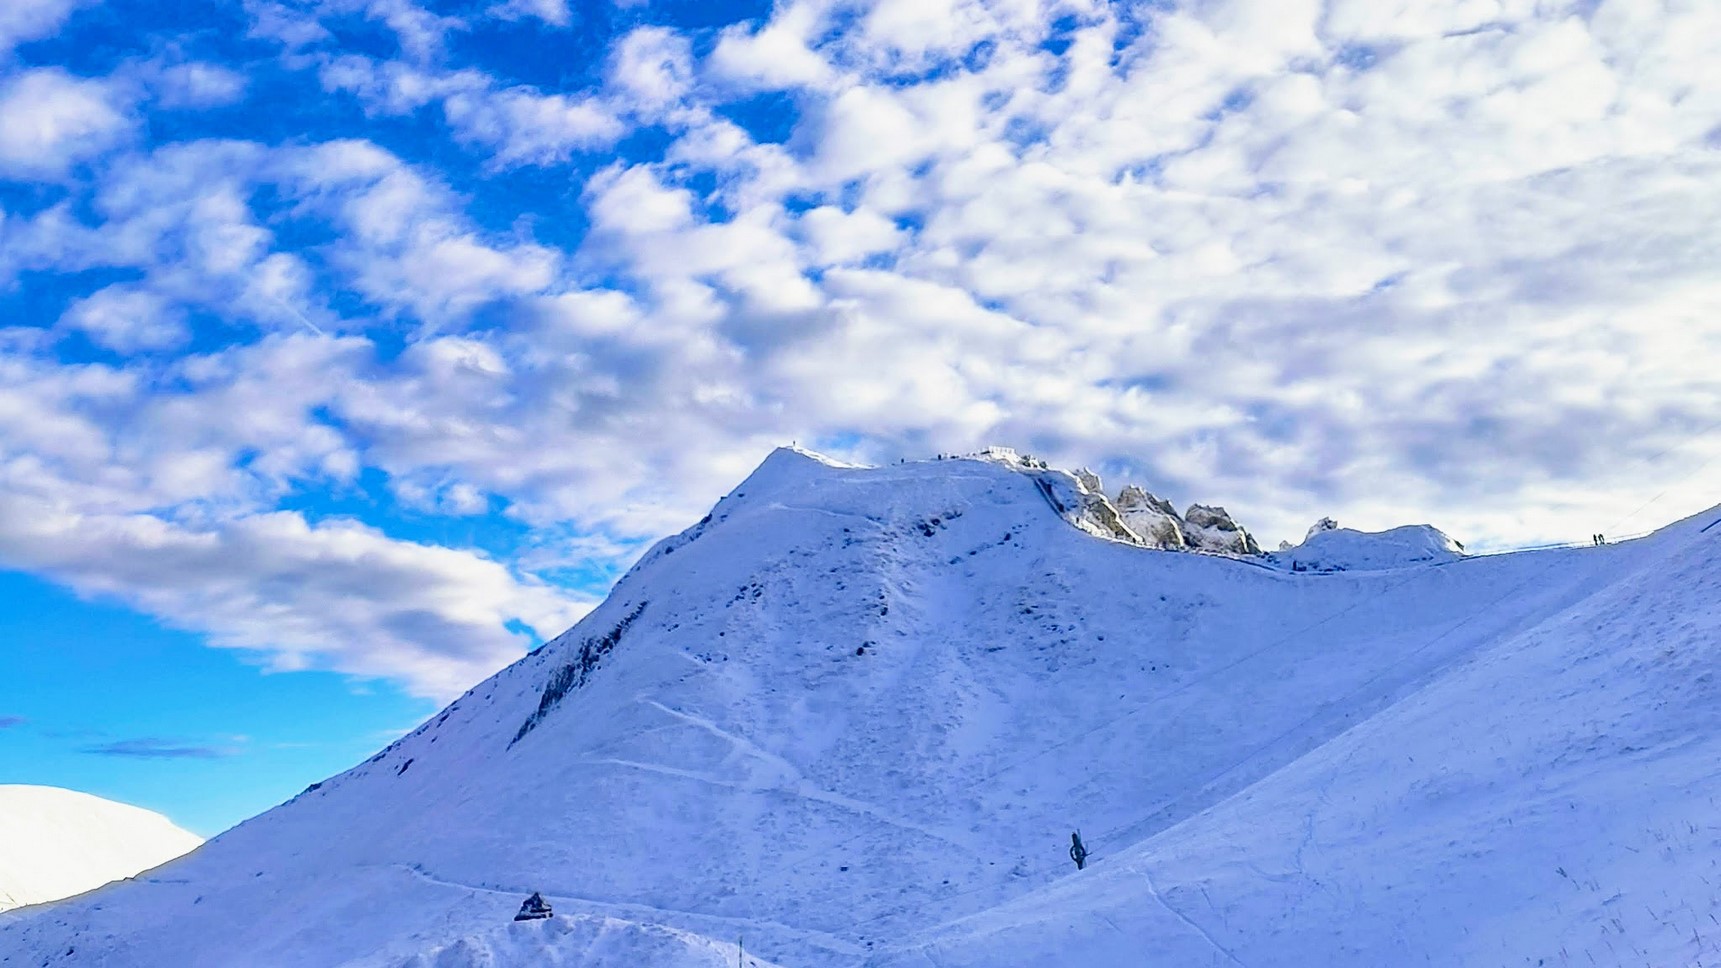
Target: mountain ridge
854, 716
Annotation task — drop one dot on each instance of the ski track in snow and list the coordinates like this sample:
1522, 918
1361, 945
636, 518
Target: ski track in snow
645, 913
1153, 891
799, 789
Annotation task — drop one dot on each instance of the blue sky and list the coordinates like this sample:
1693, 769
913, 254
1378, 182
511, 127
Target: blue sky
349, 348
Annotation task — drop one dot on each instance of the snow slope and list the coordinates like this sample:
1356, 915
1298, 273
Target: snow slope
852, 717
55, 843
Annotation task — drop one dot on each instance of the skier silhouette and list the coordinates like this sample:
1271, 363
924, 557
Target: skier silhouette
1078, 852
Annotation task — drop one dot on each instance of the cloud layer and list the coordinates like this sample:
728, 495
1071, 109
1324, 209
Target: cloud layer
370, 338
149, 748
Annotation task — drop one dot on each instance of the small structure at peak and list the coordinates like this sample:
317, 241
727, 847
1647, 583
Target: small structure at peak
534, 908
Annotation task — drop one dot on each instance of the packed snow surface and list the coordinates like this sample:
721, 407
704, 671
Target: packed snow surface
853, 716
55, 843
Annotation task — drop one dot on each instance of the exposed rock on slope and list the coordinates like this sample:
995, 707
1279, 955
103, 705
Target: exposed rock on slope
1212, 529
1137, 516
1153, 518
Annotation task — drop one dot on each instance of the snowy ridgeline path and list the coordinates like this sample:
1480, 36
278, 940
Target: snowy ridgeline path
852, 718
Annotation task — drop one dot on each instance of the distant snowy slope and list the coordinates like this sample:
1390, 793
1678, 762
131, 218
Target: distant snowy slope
1550, 800
55, 843
852, 717
1341, 549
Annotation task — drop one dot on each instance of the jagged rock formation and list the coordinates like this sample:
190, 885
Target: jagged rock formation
1153, 518
1077, 497
1211, 528
1324, 524
1137, 516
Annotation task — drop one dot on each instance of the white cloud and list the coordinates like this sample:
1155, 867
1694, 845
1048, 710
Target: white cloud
199, 85
517, 125
394, 87
293, 26
50, 120
181, 215
407, 248
302, 25
1378, 20
25, 20
914, 35
776, 56
127, 320
651, 68
155, 490
552, 12
839, 237
526, 127
335, 595
421, 33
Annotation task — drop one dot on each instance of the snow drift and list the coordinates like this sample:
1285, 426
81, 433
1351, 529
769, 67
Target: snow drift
55, 843
852, 717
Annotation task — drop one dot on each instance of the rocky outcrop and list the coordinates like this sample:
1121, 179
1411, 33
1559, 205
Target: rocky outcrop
1151, 517
1137, 516
1089, 508
1211, 528
1077, 497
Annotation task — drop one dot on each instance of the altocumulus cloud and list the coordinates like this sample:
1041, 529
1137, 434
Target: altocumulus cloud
376, 336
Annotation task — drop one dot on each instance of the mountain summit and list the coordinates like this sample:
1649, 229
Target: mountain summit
854, 716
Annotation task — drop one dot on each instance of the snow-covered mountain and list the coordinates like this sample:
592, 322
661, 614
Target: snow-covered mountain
853, 716
55, 843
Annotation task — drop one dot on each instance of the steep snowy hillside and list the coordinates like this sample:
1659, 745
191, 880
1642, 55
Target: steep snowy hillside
55, 843
852, 717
